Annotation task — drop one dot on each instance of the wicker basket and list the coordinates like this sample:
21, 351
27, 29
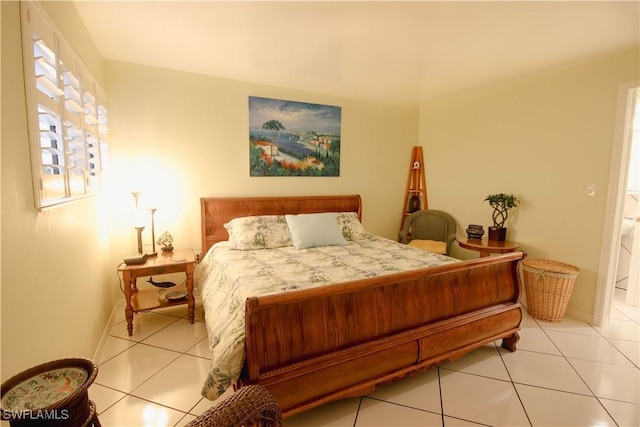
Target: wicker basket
249, 406
548, 286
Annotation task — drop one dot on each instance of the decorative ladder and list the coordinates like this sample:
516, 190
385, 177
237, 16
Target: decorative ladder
416, 195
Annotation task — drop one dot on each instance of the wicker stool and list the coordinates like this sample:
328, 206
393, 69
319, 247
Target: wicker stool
52, 394
548, 286
249, 406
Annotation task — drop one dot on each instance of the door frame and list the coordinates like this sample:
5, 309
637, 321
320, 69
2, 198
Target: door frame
612, 230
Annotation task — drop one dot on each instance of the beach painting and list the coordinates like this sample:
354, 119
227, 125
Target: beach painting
289, 138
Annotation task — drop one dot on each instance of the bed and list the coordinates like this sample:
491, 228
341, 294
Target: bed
310, 346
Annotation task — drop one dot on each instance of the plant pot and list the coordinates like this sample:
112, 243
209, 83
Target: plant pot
497, 234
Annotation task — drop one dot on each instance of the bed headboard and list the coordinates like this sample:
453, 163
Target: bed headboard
216, 211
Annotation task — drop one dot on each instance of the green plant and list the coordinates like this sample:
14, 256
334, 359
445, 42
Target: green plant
501, 203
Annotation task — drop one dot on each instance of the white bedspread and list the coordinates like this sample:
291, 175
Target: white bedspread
226, 278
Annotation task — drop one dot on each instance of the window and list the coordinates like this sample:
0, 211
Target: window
66, 114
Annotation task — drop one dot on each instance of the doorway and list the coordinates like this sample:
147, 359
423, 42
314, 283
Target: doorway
622, 172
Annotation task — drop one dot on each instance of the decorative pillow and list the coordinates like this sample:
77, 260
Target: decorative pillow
258, 232
350, 225
434, 246
313, 230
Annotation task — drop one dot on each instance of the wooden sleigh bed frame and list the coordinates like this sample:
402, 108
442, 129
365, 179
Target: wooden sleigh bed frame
313, 346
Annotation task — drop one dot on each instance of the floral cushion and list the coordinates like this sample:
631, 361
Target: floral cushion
351, 227
258, 232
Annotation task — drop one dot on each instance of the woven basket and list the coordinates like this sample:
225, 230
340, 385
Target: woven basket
548, 286
249, 406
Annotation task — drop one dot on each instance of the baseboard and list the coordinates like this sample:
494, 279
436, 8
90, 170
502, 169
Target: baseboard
117, 308
580, 315
570, 312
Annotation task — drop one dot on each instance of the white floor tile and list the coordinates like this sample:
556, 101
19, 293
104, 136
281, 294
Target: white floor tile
104, 397
144, 325
534, 338
420, 392
630, 349
631, 312
114, 346
177, 385
377, 413
341, 413
543, 370
556, 408
481, 361
610, 381
620, 329
625, 414
569, 325
186, 420
178, 336
134, 412
482, 400
205, 404
596, 349
200, 314
455, 422
131, 368
201, 349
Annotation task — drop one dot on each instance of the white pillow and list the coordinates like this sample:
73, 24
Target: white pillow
258, 232
313, 230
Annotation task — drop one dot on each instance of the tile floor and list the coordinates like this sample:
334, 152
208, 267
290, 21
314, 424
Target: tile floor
563, 374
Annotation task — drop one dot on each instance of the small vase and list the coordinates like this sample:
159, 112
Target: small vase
167, 248
475, 231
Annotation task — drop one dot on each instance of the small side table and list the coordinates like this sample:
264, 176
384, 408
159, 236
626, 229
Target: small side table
177, 261
487, 247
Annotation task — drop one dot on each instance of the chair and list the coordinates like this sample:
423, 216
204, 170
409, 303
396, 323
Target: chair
429, 225
250, 406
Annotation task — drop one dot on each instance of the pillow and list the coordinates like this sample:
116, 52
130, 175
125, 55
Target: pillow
430, 245
350, 225
313, 230
258, 232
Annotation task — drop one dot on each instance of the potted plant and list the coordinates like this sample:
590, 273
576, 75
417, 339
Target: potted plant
501, 203
165, 241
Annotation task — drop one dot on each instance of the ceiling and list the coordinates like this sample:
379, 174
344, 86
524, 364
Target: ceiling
395, 52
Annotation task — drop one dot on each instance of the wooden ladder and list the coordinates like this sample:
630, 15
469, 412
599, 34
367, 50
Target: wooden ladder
416, 186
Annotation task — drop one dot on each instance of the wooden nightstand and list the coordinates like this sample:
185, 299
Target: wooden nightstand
177, 261
487, 247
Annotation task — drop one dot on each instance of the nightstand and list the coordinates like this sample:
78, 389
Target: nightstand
487, 247
177, 261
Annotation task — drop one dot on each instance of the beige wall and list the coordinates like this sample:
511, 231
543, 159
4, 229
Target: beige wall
543, 139
56, 275
186, 136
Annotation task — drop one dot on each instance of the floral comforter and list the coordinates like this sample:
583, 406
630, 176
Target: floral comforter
227, 277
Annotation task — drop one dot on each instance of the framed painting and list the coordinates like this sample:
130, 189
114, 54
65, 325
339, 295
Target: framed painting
289, 138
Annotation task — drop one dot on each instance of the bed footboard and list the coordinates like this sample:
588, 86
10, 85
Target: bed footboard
313, 346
